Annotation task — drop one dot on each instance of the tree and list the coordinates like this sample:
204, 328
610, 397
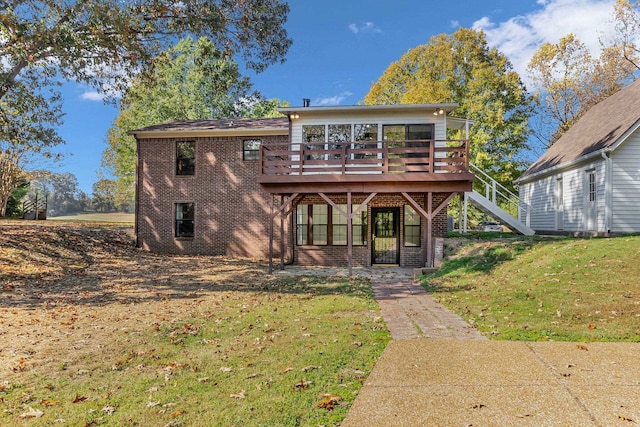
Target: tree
462, 68
104, 192
103, 43
192, 80
60, 189
568, 82
28, 116
14, 204
626, 21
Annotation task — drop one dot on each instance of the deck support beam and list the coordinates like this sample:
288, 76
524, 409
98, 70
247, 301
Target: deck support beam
285, 208
428, 216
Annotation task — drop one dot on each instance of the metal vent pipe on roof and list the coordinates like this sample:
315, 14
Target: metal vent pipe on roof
306, 102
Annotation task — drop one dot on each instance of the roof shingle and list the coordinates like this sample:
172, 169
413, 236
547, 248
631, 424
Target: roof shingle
216, 125
600, 127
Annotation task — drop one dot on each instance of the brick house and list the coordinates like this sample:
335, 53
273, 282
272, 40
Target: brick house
336, 186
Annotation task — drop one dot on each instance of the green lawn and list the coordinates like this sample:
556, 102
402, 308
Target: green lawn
545, 289
97, 333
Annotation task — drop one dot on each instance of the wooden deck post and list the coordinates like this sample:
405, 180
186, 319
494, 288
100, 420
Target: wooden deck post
282, 215
349, 233
271, 234
428, 203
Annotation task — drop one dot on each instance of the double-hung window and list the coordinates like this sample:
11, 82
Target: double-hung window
185, 158
358, 226
326, 225
312, 224
185, 216
411, 227
251, 149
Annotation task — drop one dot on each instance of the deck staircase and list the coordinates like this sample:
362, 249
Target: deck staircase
496, 194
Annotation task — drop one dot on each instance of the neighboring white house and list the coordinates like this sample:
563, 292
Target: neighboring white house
589, 180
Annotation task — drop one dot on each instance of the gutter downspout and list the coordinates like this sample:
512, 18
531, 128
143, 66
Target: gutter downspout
608, 174
137, 194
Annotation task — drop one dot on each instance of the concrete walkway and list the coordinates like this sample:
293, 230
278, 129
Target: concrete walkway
438, 371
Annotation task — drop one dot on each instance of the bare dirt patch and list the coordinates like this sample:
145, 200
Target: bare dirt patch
66, 289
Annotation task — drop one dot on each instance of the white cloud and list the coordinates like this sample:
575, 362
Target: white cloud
367, 27
92, 96
519, 37
333, 100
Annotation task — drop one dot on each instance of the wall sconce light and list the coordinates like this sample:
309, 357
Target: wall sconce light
438, 112
294, 116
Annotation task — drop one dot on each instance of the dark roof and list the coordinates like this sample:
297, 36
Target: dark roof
600, 127
217, 125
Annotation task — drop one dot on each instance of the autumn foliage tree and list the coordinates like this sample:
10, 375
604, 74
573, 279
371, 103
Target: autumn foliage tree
462, 68
568, 81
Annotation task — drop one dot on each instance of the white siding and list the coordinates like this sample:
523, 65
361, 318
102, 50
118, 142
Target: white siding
626, 186
540, 195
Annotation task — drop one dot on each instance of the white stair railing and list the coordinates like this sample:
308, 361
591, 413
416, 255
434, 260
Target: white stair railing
499, 194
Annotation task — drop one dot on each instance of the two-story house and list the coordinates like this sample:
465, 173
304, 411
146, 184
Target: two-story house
341, 185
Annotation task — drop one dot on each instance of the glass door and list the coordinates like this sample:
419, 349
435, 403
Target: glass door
385, 236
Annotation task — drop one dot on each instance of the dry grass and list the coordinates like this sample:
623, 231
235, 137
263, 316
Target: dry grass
88, 322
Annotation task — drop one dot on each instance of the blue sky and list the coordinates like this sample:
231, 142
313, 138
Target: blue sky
342, 46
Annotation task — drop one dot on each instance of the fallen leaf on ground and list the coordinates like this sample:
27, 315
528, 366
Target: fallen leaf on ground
623, 418
32, 413
109, 409
329, 401
287, 369
582, 347
310, 368
302, 385
237, 395
79, 399
47, 402
225, 369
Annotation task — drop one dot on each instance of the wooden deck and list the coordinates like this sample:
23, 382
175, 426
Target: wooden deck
388, 166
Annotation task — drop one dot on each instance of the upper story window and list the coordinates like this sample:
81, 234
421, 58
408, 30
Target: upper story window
362, 135
313, 138
185, 158
251, 149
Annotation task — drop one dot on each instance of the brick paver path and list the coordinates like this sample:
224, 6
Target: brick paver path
411, 312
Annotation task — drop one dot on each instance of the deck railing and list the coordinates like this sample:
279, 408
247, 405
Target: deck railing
364, 157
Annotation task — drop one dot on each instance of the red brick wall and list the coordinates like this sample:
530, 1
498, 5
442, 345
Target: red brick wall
231, 210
